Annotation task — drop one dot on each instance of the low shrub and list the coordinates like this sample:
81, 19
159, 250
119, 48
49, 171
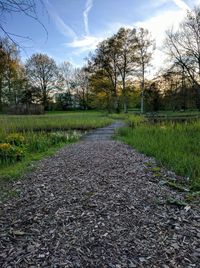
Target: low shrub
10, 153
15, 139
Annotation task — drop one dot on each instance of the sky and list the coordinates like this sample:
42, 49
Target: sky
75, 27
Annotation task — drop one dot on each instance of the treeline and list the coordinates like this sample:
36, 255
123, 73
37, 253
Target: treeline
120, 65
40, 80
116, 76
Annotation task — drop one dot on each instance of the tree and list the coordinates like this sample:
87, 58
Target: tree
101, 91
153, 97
64, 101
67, 71
184, 48
80, 84
12, 75
3, 62
145, 47
43, 73
126, 62
105, 60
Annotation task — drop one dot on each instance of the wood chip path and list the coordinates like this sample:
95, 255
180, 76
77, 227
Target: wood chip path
98, 203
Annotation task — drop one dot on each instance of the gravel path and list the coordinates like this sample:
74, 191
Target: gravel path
104, 133
98, 204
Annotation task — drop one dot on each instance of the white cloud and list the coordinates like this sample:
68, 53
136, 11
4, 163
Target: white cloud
86, 43
181, 4
158, 25
65, 29
88, 6
161, 22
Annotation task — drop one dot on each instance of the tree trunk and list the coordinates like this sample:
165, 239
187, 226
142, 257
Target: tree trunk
116, 104
44, 101
1, 94
197, 89
116, 100
125, 100
142, 93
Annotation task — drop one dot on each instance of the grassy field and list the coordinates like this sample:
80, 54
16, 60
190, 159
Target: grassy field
175, 146
24, 139
52, 121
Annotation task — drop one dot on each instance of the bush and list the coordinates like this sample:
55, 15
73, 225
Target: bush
10, 153
15, 139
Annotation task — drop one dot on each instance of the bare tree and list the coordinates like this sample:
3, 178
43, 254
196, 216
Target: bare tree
184, 48
25, 7
81, 87
66, 69
145, 47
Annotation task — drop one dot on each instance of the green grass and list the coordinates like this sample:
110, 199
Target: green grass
36, 146
175, 146
18, 169
52, 121
43, 135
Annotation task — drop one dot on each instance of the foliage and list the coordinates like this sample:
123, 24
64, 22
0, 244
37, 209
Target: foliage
145, 47
115, 75
135, 120
43, 73
10, 153
117, 60
38, 143
12, 77
15, 139
152, 97
173, 145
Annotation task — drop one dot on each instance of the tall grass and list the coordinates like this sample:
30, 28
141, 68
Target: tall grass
35, 146
42, 134
49, 122
173, 145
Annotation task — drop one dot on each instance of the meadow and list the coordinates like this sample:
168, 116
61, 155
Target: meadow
24, 139
174, 145
52, 121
